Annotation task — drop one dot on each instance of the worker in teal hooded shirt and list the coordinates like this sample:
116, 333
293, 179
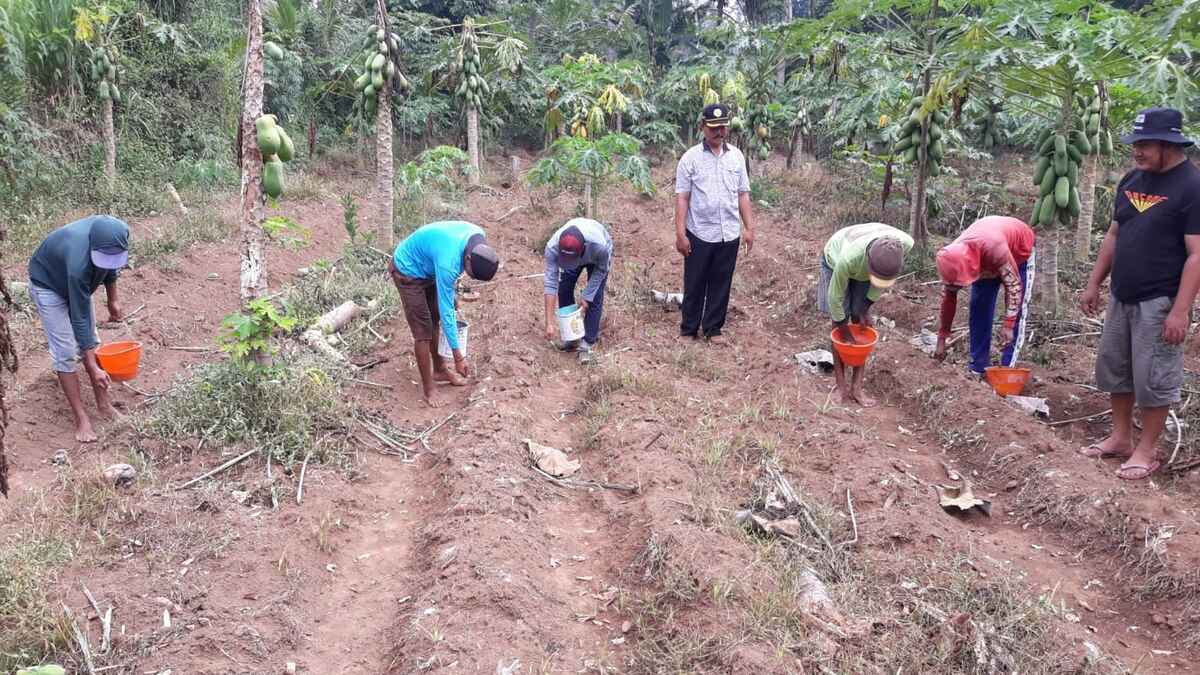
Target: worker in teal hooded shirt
71, 263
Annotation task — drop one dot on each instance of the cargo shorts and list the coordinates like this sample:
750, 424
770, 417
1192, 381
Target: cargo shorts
1133, 357
55, 314
854, 303
419, 298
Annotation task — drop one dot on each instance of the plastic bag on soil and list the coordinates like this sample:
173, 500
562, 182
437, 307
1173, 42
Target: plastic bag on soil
551, 460
816, 361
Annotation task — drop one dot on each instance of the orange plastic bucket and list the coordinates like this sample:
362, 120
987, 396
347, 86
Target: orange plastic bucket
1007, 381
120, 359
855, 355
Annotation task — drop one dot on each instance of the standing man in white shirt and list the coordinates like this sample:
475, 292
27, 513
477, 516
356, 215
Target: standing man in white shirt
712, 217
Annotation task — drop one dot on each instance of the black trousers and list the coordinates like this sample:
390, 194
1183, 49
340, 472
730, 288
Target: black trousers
707, 277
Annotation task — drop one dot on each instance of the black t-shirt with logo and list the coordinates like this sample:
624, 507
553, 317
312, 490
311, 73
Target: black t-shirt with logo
1153, 212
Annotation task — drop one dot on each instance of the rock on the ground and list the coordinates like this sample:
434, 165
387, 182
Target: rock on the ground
120, 475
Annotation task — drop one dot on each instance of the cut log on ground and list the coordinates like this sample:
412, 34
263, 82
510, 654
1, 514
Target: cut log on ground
331, 322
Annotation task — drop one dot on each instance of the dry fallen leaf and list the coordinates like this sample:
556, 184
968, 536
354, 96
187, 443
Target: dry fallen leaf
551, 460
961, 498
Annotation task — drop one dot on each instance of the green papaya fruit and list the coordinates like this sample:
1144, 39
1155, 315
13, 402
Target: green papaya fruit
1037, 208
903, 144
910, 155
102, 91
273, 50
939, 117
1039, 172
1046, 214
114, 92
935, 131
1047, 146
362, 81
380, 35
908, 128
287, 149
401, 81
1062, 192
1060, 144
389, 70
1073, 173
1043, 138
916, 117
377, 80
382, 47
268, 136
1080, 141
378, 61
1074, 154
1060, 163
937, 150
272, 177
1106, 147
1093, 123
369, 92
1047, 184
935, 168
1073, 203
916, 102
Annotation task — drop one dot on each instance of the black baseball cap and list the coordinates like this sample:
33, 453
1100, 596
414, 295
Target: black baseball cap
484, 260
717, 115
1158, 124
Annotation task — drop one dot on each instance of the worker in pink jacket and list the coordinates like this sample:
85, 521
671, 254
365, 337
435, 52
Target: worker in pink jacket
994, 251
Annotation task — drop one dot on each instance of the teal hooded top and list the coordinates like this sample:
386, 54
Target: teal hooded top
63, 264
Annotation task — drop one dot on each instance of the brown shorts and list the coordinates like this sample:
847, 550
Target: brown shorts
419, 297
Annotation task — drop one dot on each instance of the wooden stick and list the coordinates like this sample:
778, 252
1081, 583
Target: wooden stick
135, 390
583, 483
198, 350
82, 639
1071, 335
853, 520
1178, 437
370, 383
303, 469
105, 619
652, 440
208, 474
1078, 419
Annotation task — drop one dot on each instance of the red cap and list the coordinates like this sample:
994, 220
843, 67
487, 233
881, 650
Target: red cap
571, 242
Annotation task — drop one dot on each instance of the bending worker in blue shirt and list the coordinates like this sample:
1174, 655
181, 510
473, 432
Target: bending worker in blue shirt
425, 268
72, 262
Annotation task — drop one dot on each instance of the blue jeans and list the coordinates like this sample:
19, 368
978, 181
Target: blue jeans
983, 311
567, 280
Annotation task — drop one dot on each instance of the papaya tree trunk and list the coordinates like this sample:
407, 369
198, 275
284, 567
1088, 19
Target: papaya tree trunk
1045, 287
793, 146
620, 123
589, 205
110, 145
1087, 209
473, 142
253, 278
384, 171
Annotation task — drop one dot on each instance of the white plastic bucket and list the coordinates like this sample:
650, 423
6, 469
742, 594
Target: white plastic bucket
444, 350
570, 323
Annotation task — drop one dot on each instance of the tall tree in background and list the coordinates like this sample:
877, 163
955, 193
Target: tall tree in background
254, 269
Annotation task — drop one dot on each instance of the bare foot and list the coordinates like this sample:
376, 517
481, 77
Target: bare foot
449, 376
432, 400
848, 398
84, 432
1109, 447
108, 412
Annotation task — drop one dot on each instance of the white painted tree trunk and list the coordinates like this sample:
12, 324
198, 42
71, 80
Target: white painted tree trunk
516, 170
1087, 209
254, 270
384, 170
110, 145
589, 206
473, 143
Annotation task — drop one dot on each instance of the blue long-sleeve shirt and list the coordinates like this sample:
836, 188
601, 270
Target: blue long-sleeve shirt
63, 264
435, 251
597, 250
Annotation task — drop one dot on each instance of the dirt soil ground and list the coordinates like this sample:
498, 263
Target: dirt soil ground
462, 559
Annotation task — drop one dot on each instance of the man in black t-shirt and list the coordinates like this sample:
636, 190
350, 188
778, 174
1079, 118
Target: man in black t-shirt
1152, 250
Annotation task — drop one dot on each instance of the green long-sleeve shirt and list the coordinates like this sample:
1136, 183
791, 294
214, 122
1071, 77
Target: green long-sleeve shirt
846, 255
63, 264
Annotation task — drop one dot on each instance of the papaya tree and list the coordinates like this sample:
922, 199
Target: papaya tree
253, 279
96, 27
588, 162
474, 87
1051, 59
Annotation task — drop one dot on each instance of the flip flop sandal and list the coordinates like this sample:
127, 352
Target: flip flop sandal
1139, 471
1094, 450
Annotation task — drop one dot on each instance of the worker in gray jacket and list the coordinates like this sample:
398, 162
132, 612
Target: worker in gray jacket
581, 244
69, 266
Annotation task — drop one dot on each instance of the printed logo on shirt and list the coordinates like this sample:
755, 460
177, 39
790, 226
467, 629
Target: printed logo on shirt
1142, 201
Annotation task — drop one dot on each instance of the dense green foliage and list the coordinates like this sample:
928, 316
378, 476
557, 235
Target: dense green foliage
554, 68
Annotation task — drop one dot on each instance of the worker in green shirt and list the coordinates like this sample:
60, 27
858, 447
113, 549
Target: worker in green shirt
858, 262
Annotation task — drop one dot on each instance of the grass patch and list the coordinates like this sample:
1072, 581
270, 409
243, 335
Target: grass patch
295, 409
199, 226
31, 627
691, 361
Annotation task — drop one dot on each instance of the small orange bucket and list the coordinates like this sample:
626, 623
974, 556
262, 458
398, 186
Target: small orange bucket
120, 359
1007, 381
855, 355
